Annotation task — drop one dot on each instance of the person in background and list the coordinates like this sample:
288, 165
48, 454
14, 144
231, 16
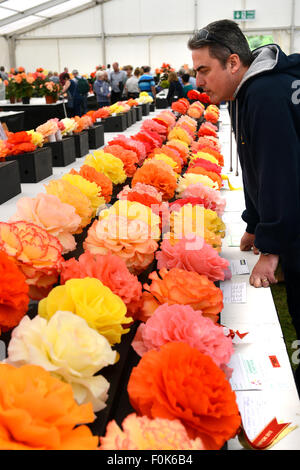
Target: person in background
101, 89
68, 90
192, 79
186, 84
132, 85
262, 86
117, 81
175, 89
54, 77
62, 75
146, 82
3, 74
82, 90
108, 71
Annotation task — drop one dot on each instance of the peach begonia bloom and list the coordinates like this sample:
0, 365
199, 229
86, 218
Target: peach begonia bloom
48, 128
69, 349
89, 189
70, 194
134, 211
129, 239
38, 412
142, 433
37, 253
47, 211
89, 299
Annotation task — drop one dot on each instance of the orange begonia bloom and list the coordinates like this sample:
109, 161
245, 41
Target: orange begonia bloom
14, 297
179, 382
94, 176
202, 171
156, 176
38, 412
178, 286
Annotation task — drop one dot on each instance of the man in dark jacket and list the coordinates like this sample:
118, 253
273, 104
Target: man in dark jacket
264, 87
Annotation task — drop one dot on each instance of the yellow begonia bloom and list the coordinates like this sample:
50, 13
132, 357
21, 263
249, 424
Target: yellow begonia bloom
91, 190
180, 134
194, 219
193, 178
36, 137
205, 156
70, 194
108, 164
134, 211
89, 299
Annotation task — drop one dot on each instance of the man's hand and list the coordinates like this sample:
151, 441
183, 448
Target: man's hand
263, 273
247, 243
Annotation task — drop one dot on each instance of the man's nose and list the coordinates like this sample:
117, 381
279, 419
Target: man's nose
199, 81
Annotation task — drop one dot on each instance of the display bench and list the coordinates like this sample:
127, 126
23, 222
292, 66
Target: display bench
36, 112
257, 316
13, 119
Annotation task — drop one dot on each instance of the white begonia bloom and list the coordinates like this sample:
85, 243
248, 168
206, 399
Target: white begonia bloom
69, 349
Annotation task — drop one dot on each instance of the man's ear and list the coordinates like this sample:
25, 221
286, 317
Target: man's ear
234, 63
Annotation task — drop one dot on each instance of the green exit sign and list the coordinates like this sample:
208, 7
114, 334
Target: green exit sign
244, 15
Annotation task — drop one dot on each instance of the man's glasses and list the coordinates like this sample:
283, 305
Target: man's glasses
205, 35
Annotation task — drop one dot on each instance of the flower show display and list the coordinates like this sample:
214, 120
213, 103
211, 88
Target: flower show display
110, 296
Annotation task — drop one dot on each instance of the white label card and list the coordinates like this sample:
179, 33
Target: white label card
234, 292
239, 266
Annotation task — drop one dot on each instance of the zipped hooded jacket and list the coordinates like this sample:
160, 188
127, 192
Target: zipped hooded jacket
266, 122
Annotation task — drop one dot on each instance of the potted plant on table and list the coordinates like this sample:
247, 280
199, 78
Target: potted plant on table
10, 90
51, 91
24, 86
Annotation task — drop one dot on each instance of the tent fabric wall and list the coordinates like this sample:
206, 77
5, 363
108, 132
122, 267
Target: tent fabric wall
139, 32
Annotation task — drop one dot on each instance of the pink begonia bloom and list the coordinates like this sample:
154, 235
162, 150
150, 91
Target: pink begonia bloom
47, 211
130, 144
182, 323
129, 239
151, 125
192, 253
142, 433
212, 196
48, 128
141, 188
111, 270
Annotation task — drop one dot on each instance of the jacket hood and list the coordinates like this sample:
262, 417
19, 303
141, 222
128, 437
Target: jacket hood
271, 59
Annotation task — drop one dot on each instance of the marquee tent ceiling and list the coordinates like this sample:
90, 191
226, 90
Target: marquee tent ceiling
18, 15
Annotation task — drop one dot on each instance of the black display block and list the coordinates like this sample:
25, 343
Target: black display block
63, 151
81, 144
152, 107
161, 103
146, 109
128, 118
96, 136
139, 113
115, 123
34, 166
133, 115
9, 180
